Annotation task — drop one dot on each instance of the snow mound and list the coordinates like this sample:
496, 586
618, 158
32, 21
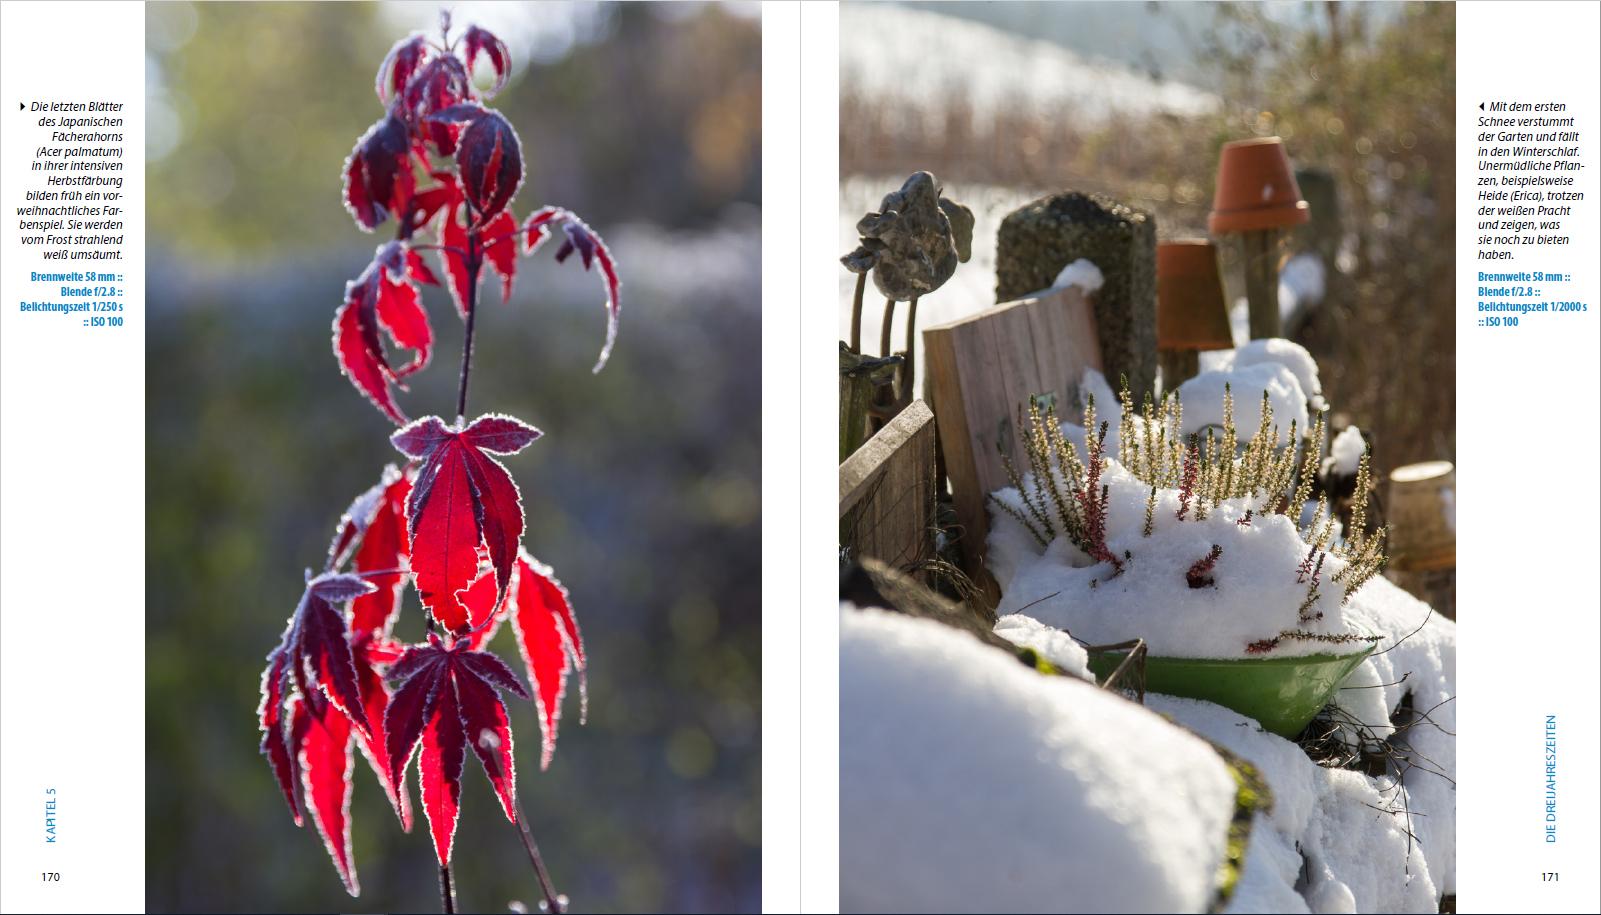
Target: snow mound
1346, 451
1202, 397
1050, 643
1422, 663
1348, 832
969, 782
1287, 353
1253, 595
1302, 285
1081, 273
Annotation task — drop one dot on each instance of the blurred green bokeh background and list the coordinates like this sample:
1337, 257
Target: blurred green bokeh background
644, 493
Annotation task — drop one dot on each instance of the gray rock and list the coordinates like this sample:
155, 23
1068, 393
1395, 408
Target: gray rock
1037, 240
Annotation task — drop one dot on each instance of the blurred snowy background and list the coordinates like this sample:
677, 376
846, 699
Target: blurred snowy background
1005, 102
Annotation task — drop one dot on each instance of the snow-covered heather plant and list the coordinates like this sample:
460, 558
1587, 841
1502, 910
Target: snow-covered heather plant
450, 520
1060, 494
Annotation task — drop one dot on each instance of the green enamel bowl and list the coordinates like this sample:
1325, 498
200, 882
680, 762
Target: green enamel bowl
1284, 694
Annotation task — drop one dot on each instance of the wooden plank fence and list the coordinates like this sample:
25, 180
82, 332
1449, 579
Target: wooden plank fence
887, 493
981, 369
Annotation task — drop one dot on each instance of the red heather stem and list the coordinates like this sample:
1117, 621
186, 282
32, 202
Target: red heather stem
1305, 568
1192, 473
1094, 505
1200, 573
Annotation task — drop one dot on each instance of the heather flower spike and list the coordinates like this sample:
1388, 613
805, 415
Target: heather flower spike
449, 522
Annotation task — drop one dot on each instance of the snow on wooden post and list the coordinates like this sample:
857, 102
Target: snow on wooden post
981, 370
887, 493
1036, 241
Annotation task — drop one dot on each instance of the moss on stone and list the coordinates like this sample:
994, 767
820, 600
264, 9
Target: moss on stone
1037, 240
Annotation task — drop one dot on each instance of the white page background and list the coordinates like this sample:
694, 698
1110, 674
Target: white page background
72, 496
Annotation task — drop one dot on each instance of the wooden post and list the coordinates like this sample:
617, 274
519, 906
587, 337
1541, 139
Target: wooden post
1261, 249
1178, 366
980, 370
887, 493
1422, 512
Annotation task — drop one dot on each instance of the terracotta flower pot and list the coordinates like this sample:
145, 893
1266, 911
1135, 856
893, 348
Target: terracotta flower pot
1256, 189
1422, 510
1190, 312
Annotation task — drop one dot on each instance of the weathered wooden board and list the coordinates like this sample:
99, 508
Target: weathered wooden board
980, 370
887, 494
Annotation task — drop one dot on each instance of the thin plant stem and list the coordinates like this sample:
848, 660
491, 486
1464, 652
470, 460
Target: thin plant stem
856, 314
883, 333
554, 903
447, 891
474, 264
448, 249
909, 368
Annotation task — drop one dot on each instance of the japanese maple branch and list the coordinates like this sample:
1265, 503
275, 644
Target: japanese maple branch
447, 892
553, 902
474, 261
449, 249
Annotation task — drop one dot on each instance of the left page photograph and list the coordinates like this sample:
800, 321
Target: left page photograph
381, 457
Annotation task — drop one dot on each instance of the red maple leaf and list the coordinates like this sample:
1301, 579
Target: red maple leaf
591, 250
548, 638
274, 731
547, 635
463, 501
498, 239
500, 250
372, 654
484, 612
385, 297
383, 554
314, 656
446, 700
322, 738
373, 529
399, 64
490, 161
378, 177
314, 653
481, 40
435, 86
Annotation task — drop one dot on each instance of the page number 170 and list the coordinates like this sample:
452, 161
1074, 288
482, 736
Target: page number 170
50, 876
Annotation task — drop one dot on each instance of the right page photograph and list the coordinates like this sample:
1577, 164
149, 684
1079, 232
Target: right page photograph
1148, 441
